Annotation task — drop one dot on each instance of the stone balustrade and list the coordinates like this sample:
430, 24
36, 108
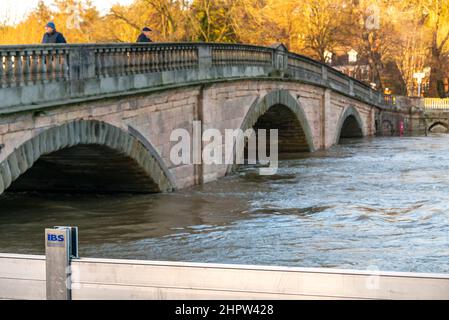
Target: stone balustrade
23, 66
436, 104
39, 76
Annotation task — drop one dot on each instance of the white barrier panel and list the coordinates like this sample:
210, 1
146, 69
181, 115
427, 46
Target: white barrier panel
124, 279
22, 277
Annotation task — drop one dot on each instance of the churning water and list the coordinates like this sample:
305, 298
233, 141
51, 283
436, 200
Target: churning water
379, 203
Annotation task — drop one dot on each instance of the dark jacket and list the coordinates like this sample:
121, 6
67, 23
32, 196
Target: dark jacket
55, 37
143, 38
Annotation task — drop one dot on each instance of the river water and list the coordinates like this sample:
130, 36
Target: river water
371, 204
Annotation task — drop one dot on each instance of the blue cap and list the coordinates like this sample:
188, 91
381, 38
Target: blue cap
51, 25
146, 29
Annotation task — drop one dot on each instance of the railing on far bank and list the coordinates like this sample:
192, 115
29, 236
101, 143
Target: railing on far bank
33, 76
436, 104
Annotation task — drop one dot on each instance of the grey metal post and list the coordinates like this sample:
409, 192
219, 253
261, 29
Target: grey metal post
60, 245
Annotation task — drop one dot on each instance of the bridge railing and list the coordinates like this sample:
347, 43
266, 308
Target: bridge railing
436, 104
228, 54
111, 61
37, 75
22, 66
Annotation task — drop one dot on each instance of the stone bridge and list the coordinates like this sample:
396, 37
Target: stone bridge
99, 117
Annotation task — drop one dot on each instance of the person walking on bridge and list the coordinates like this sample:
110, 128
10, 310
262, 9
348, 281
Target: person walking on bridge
51, 35
145, 36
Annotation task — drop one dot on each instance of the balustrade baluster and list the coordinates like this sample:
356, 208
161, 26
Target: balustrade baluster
125, 61
174, 58
27, 67
121, 59
156, 59
110, 62
171, 59
97, 63
2, 73
181, 58
50, 64
142, 60
116, 57
115, 62
138, 56
178, 58
160, 59
164, 59
188, 57
18, 68
65, 65
132, 57
9, 68
137, 61
58, 64
105, 57
217, 57
150, 61
104, 62
44, 66
145, 60
33, 66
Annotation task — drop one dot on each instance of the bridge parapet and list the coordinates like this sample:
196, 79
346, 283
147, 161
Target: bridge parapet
34, 77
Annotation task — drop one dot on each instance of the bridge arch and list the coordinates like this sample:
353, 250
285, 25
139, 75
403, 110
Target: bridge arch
86, 156
280, 110
439, 126
350, 125
387, 128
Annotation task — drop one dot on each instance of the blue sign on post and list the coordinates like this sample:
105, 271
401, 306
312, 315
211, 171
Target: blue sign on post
55, 240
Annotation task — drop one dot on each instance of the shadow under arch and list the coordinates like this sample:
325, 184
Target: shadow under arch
280, 110
387, 128
85, 156
437, 124
350, 125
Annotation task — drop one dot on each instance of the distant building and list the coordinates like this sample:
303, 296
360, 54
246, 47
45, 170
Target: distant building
356, 65
350, 62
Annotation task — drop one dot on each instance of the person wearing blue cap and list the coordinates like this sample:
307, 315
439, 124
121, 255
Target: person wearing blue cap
51, 35
145, 35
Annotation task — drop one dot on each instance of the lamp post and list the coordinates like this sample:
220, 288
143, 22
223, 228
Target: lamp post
419, 76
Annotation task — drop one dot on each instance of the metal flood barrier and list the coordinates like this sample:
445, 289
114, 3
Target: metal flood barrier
62, 275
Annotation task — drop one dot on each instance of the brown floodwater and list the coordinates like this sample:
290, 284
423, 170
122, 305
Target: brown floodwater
378, 203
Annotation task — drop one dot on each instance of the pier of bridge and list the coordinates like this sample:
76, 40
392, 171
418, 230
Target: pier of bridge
99, 117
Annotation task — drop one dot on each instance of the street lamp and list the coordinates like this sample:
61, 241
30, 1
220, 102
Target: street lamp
419, 76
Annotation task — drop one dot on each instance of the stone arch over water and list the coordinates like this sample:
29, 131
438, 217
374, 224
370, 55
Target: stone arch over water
439, 127
85, 156
350, 125
387, 128
280, 110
